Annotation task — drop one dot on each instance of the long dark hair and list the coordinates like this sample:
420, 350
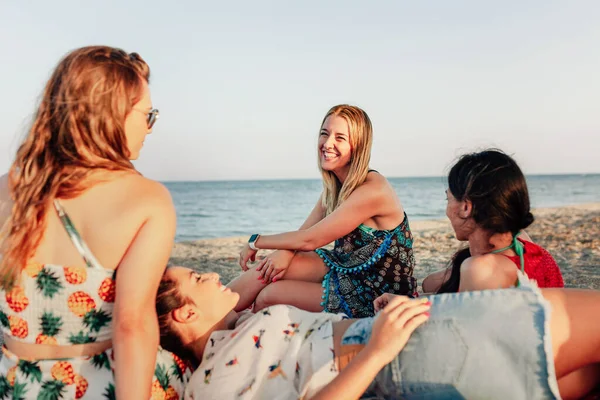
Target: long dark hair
494, 184
169, 299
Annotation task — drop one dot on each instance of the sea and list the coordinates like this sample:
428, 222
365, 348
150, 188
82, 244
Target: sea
216, 209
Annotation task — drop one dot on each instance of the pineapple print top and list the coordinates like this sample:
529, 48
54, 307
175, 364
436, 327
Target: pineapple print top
60, 305
281, 352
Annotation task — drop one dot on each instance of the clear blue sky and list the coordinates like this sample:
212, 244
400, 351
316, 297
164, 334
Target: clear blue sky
242, 86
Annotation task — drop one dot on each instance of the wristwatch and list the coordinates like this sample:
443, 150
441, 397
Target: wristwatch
253, 240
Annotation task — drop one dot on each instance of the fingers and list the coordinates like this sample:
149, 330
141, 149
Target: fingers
380, 302
394, 301
412, 312
415, 322
279, 275
243, 262
402, 311
269, 273
262, 263
263, 270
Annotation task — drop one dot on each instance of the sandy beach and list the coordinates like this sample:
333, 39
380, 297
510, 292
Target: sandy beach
571, 234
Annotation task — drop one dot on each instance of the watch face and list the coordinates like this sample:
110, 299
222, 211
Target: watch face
253, 238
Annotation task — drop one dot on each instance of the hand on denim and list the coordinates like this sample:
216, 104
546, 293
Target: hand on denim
393, 326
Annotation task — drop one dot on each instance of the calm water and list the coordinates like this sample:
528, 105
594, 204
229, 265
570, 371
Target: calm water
239, 208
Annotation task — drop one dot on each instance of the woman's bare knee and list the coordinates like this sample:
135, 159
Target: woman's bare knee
266, 297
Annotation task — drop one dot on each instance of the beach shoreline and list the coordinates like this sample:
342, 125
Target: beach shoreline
570, 233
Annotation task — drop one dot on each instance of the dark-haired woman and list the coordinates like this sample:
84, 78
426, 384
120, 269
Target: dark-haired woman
488, 206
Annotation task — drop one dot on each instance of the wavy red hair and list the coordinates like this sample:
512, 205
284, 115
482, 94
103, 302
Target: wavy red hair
79, 128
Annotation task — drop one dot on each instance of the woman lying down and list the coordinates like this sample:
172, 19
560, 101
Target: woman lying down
496, 344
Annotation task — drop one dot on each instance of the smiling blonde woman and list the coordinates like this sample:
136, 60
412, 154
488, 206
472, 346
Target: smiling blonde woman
360, 211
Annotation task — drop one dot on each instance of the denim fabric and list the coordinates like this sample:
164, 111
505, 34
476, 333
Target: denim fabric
493, 344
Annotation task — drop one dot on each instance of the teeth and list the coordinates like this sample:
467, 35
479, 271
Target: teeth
329, 155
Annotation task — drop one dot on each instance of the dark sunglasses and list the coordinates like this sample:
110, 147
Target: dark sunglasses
151, 116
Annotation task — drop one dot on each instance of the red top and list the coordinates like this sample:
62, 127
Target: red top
540, 266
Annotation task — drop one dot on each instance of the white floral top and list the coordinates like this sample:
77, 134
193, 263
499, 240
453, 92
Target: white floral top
281, 352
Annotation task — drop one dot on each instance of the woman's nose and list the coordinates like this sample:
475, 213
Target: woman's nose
329, 142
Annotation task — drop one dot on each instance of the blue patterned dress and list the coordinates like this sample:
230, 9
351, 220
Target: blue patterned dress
363, 265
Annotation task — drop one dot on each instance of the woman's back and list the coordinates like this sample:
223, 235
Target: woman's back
92, 120
66, 292
107, 216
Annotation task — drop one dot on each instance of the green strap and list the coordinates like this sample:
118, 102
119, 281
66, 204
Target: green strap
518, 248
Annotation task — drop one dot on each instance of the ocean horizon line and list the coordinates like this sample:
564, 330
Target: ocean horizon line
566, 174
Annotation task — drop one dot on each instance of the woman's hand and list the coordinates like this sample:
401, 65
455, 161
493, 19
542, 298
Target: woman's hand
394, 324
274, 266
247, 254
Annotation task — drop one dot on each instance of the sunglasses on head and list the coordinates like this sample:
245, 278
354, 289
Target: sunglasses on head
151, 116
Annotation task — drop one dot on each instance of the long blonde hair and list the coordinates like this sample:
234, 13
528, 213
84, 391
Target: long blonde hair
79, 127
361, 139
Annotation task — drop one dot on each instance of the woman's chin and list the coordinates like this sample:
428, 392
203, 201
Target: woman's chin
328, 166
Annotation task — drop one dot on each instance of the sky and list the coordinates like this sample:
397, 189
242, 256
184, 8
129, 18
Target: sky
242, 86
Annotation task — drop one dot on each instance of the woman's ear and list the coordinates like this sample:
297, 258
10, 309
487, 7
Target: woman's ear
466, 209
185, 314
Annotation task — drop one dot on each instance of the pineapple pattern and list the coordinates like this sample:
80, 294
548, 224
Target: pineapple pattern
80, 303
16, 299
50, 326
65, 305
84, 377
43, 305
18, 327
75, 275
107, 290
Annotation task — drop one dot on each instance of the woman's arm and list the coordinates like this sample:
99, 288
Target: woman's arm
136, 336
316, 215
281, 259
434, 281
367, 201
391, 330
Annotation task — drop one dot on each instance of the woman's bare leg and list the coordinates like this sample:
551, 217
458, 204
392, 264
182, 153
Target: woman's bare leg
248, 286
306, 266
575, 332
304, 295
580, 382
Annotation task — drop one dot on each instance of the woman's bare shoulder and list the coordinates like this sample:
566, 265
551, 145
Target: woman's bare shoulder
488, 271
376, 181
141, 191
